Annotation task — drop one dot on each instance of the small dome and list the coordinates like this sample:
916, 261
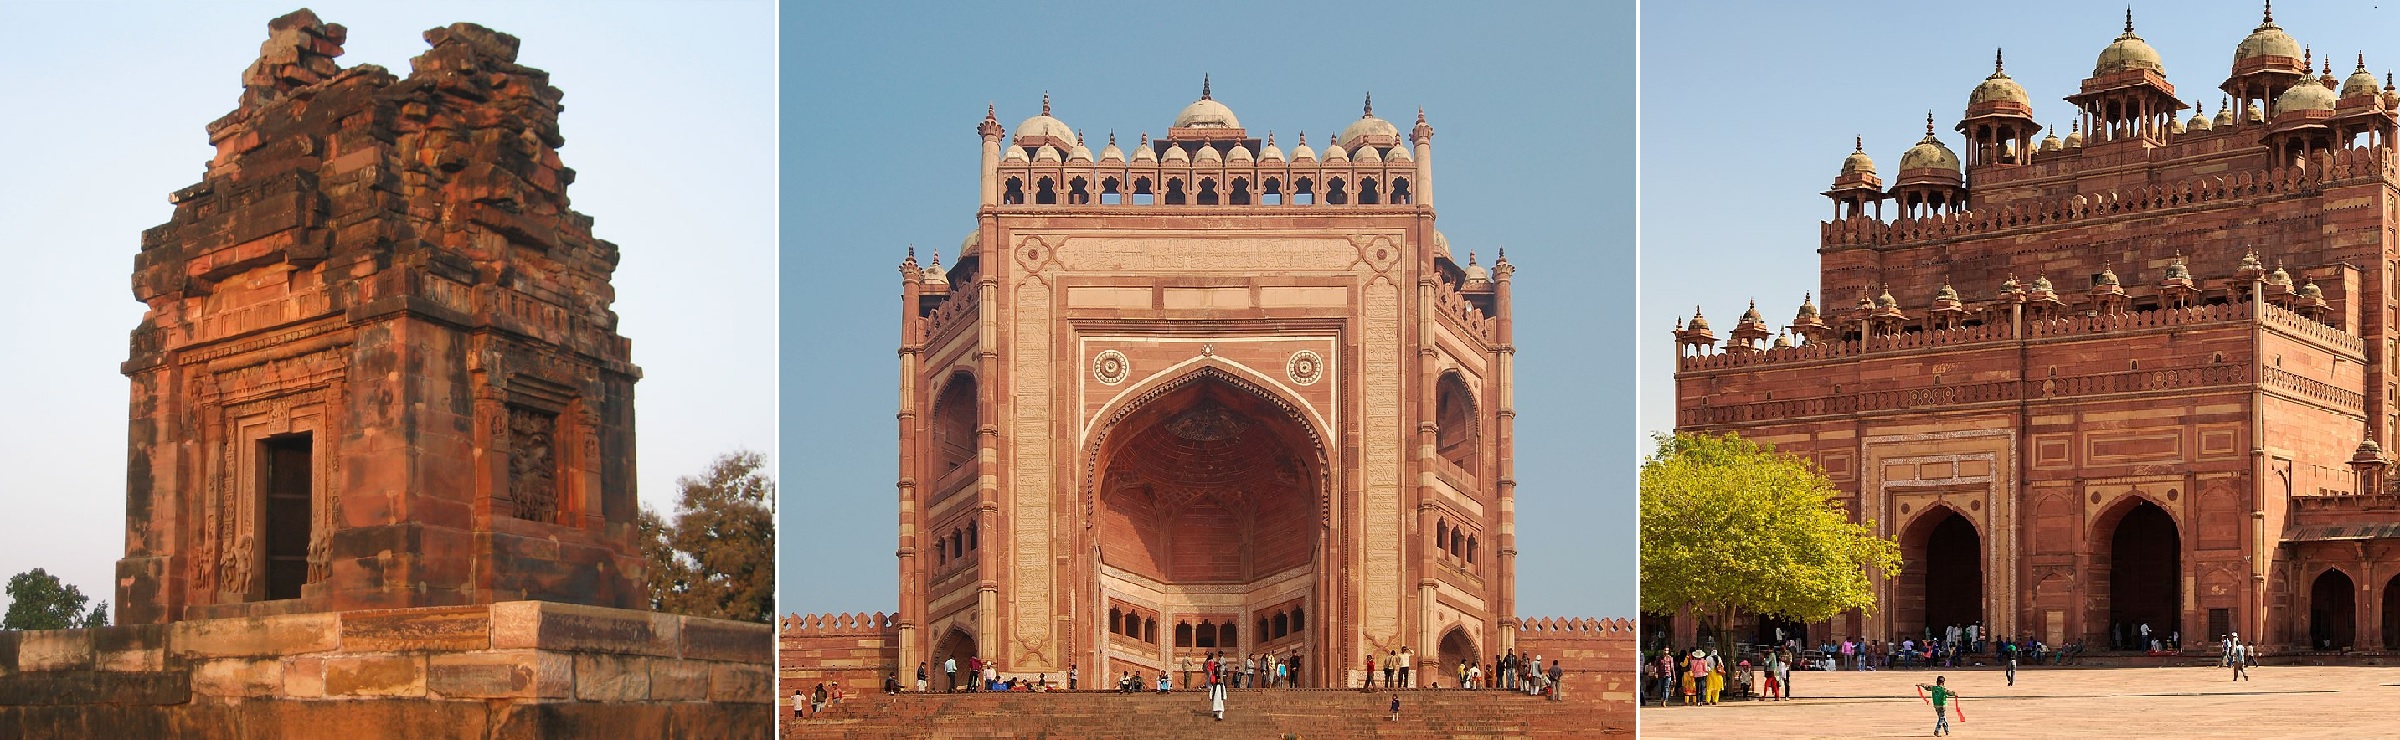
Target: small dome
2041, 284
966, 247
1698, 323
2127, 53
1177, 154
1929, 153
1369, 154
1209, 154
2267, 40
2051, 143
2199, 120
1998, 88
1886, 300
1206, 112
2253, 114
1302, 153
1143, 152
2179, 271
2075, 136
1748, 317
1112, 153
2011, 286
2250, 263
1808, 309
2224, 114
1272, 153
1947, 293
1043, 125
2107, 278
1240, 154
1335, 154
1047, 154
1441, 243
1400, 154
2279, 277
934, 275
1081, 153
1858, 163
1476, 273
1014, 154
2311, 291
1368, 130
2307, 95
1783, 340
2361, 82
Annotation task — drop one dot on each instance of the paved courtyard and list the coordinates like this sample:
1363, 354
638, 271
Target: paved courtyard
2278, 701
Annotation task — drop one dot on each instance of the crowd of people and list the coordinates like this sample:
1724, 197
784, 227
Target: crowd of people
1507, 671
1704, 675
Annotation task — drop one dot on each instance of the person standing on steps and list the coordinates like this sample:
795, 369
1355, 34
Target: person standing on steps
1395, 709
1072, 674
1391, 669
1558, 680
922, 675
1407, 660
950, 668
799, 703
1216, 698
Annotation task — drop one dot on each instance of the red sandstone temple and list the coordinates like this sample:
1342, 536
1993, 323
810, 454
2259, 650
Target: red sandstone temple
2136, 376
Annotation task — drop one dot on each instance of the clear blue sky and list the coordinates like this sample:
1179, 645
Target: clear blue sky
1533, 109
1744, 123
670, 125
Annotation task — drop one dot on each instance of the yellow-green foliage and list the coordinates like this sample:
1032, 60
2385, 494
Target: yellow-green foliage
1730, 526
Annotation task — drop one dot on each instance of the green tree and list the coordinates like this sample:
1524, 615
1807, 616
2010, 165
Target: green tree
1729, 526
39, 601
717, 557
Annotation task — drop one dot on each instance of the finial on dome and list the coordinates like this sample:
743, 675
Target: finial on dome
1270, 137
2129, 18
1112, 137
912, 251
1928, 124
1503, 257
2270, 20
1045, 102
1996, 68
1304, 138
1420, 114
1204, 87
991, 111
2362, 60
1370, 113
1145, 139
937, 258
1470, 256
1858, 144
2308, 58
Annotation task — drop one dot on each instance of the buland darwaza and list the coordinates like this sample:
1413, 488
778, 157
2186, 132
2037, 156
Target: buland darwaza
2186, 430
1204, 395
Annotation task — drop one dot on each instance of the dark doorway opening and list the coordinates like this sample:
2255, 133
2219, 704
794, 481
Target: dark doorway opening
959, 647
2145, 574
1953, 574
2333, 611
1456, 650
288, 512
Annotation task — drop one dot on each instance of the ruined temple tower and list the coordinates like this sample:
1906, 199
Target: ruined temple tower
378, 367
1201, 395
2185, 430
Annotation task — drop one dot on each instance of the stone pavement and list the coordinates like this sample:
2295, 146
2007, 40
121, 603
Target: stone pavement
2279, 701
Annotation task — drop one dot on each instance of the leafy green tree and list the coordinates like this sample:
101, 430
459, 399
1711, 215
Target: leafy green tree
717, 557
1729, 526
39, 601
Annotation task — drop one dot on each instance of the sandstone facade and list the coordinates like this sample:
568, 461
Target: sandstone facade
2185, 431
378, 367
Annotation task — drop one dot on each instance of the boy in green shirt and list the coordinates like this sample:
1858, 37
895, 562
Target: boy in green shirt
1941, 704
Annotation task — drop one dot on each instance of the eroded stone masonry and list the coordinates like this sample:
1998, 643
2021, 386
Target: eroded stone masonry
2187, 429
378, 367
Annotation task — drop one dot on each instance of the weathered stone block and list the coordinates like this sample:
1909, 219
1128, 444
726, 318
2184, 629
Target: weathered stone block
136, 647
739, 683
375, 675
612, 678
289, 634
304, 677
237, 677
679, 680
552, 626
728, 640
501, 674
55, 650
402, 630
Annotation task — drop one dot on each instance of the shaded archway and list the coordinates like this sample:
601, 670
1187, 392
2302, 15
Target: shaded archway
2391, 614
1207, 489
955, 645
2332, 611
2145, 575
1456, 648
953, 422
1941, 575
1458, 438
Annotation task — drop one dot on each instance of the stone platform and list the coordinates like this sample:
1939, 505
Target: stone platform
2278, 701
1250, 713
523, 669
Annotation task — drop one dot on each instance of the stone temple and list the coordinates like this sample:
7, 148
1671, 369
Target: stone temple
380, 468
2140, 375
1199, 394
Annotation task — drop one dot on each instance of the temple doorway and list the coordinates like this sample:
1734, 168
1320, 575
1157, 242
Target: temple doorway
1941, 576
2145, 576
2332, 611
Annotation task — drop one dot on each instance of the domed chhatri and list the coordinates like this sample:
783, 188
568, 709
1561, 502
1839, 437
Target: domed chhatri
1999, 88
2307, 96
1368, 130
1206, 112
1043, 130
2361, 82
2128, 53
1929, 154
2266, 45
1858, 163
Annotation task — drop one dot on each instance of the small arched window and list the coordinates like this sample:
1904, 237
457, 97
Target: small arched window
1183, 634
1207, 635
1228, 636
1303, 192
1299, 619
1400, 194
1045, 192
1175, 195
1241, 192
1116, 620
1208, 191
1150, 630
1283, 624
1334, 193
1015, 195
1366, 191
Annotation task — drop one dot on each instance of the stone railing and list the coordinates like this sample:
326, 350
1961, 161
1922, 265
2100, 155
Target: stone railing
2312, 389
961, 305
2293, 323
1462, 313
2077, 325
2072, 326
2335, 166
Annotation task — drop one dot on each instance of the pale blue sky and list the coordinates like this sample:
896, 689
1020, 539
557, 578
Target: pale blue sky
1744, 123
1533, 108
670, 126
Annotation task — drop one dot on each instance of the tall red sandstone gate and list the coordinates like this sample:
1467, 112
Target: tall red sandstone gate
2187, 431
379, 367
1204, 396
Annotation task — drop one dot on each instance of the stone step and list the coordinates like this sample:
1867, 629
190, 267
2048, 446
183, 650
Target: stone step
1249, 713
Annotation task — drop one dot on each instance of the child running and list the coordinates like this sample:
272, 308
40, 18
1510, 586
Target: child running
1941, 696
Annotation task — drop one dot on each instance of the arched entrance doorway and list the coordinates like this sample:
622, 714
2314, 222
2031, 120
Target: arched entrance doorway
2332, 611
954, 646
1207, 496
1456, 648
1941, 575
2145, 576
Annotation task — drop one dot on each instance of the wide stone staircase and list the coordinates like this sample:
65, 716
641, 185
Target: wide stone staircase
1249, 713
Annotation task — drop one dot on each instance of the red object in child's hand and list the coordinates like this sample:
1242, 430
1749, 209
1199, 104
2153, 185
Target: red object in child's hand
1921, 695
1960, 708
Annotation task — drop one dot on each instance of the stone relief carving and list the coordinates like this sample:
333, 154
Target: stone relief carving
533, 464
1305, 367
1110, 367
